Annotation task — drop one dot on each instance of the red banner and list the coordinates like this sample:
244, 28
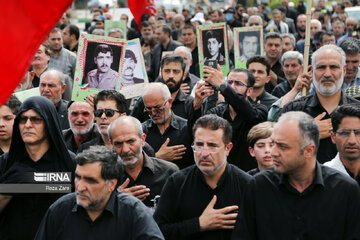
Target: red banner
25, 24
140, 7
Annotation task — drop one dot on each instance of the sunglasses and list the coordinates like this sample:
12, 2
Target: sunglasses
254, 24
33, 119
108, 112
236, 83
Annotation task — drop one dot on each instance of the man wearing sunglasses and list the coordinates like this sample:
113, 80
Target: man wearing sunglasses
346, 135
201, 201
238, 109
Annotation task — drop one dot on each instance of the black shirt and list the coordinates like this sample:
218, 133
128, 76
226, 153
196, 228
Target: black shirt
178, 134
185, 196
124, 217
357, 178
70, 141
248, 115
22, 215
194, 68
266, 99
153, 175
310, 104
280, 76
181, 106
272, 209
281, 89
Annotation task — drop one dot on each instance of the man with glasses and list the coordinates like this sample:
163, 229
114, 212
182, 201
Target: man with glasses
166, 132
37, 145
260, 67
254, 20
238, 110
346, 135
201, 201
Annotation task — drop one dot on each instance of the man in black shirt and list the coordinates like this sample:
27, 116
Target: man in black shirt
144, 176
82, 128
329, 68
201, 202
96, 210
299, 198
37, 145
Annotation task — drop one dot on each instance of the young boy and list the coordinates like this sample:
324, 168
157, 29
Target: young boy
260, 145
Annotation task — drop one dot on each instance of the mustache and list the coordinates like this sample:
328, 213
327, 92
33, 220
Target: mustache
171, 80
327, 79
352, 145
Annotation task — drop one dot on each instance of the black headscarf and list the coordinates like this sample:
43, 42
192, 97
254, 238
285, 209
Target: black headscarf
46, 109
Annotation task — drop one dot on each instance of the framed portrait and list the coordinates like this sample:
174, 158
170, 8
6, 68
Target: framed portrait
98, 64
248, 42
213, 45
110, 25
134, 77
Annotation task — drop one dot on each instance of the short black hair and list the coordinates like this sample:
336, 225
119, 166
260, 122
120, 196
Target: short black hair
189, 26
104, 48
108, 158
165, 28
111, 95
176, 58
214, 122
74, 30
346, 110
130, 54
273, 35
259, 59
145, 24
14, 104
250, 76
212, 34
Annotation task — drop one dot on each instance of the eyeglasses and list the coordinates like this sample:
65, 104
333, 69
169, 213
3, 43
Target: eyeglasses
236, 83
347, 132
199, 147
329, 41
157, 109
33, 119
254, 24
108, 112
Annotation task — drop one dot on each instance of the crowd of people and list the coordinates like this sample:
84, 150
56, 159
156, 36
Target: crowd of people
244, 156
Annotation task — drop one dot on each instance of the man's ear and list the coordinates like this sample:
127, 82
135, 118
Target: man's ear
249, 91
112, 184
143, 137
63, 88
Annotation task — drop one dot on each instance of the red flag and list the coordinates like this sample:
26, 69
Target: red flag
140, 7
25, 25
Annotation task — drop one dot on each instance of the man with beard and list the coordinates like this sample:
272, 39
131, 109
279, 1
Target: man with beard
103, 77
201, 201
346, 121
328, 75
144, 176
128, 70
351, 47
97, 210
301, 27
172, 74
82, 128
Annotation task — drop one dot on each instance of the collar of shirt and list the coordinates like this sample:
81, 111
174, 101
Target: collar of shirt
314, 101
222, 178
181, 96
48, 157
110, 205
61, 53
174, 122
148, 162
354, 82
318, 180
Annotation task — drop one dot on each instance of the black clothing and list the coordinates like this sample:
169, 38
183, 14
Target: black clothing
22, 215
154, 69
266, 99
194, 68
181, 106
124, 217
191, 80
272, 209
248, 115
310, 104
36, 80
70, 141
236, 23
153, 175
97, 140
254, 171
357, 178
62, 113
281, 89
186, 195
178, 134
280, 76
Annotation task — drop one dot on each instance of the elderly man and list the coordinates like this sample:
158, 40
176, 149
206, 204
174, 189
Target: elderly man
346, 135
103, 77
37, 145
201, 201
304, 195
144, 176
328, 75
130, 62
61, 58
351, 47
288, 42
349, 26
82, 127
52, 86
292, 66
96, 210
40, 63
315, 26
238, 110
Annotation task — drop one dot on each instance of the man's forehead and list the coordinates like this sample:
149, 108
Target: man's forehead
80, 107
107, 54
172, 65
108, 103
55, 35
273, 41
240, 76
92, 169
51, 79
248, 38
322, 57
212, 39
291, 61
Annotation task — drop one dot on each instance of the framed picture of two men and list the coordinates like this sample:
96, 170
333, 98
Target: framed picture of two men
105, 63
